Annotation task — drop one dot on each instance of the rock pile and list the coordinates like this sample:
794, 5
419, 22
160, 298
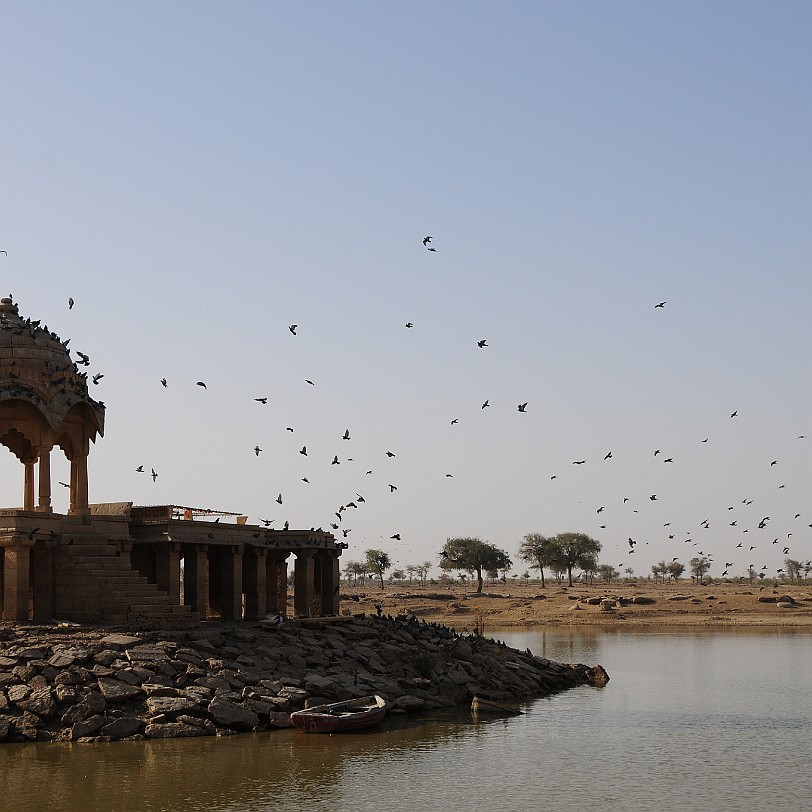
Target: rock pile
81, 684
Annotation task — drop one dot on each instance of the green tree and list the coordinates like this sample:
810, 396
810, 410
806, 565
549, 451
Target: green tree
538, 551
675, 570
699, 566
793, 569
607, 572
575, 550
473, 555
378, 562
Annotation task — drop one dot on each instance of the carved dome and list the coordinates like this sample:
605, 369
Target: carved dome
35, 367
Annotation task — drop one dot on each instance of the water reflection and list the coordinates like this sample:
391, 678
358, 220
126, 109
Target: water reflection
687, 719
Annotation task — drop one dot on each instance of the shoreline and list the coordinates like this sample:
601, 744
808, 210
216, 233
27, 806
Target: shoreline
72, 683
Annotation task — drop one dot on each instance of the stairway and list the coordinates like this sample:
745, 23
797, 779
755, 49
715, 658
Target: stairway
93, 583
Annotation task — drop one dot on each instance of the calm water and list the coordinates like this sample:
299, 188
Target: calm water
719, 721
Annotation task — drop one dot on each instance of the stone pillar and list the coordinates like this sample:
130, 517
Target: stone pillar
42, 577
330, 583
303, 583
276, 578
16, 578
196, 577
28, 491
230, 561
78, 485
255, 583
44, 481
167, 568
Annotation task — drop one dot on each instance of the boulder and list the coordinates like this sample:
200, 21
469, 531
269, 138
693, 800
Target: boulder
173, 730
228, 714
123, 727
87, 727
115, 690
90, 704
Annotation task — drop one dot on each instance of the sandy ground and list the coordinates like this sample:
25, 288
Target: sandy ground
515, 604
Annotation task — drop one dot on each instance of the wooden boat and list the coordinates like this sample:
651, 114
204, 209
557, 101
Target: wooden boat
354, 714
481, 705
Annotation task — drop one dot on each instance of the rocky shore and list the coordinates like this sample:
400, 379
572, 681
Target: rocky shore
72, 683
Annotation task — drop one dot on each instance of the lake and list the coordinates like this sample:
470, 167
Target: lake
690, 720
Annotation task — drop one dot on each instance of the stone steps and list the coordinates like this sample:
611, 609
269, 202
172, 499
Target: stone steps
126, 596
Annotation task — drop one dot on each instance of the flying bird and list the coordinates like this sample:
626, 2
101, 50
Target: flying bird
154, 475
140, 469
392, 488
485, 405
578, 462
257, 449
163, 382
523, 407
70, 301
409, 324
661, 304
279, 499
83, 359
292, 328
346, 435
735, 414
482, 343
309, 381
303, 450
335, 460
426, 240
263, 401
396, 537
97, 377
200, 383
608, 456
389, 454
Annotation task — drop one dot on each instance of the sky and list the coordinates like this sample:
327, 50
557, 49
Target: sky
200, 176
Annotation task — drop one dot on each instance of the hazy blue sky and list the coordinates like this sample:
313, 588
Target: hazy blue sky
198, 176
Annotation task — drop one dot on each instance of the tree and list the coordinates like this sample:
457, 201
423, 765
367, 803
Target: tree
675, 569
607, 572
378, 562
699, 566
572, 550
793, 569
538, 551
473, 555
397, 575
659, 570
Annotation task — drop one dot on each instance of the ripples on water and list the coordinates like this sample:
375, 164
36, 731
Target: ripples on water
718, 721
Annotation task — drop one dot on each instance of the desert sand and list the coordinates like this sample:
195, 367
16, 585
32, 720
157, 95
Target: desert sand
633, 605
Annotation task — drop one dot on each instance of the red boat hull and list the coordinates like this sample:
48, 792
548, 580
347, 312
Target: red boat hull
339, 716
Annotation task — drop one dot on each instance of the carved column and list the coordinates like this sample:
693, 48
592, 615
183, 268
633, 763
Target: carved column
231, 582
255, 583
28, 491
277, 582
44, 481
196, 577
42, 577
16, 579
330, 582
303, 583
78, 484
167, 568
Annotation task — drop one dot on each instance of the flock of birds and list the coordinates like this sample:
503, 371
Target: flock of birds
696, 539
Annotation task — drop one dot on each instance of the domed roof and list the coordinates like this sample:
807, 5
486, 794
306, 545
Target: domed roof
35, 366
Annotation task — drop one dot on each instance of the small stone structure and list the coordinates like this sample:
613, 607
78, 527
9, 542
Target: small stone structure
145, 567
